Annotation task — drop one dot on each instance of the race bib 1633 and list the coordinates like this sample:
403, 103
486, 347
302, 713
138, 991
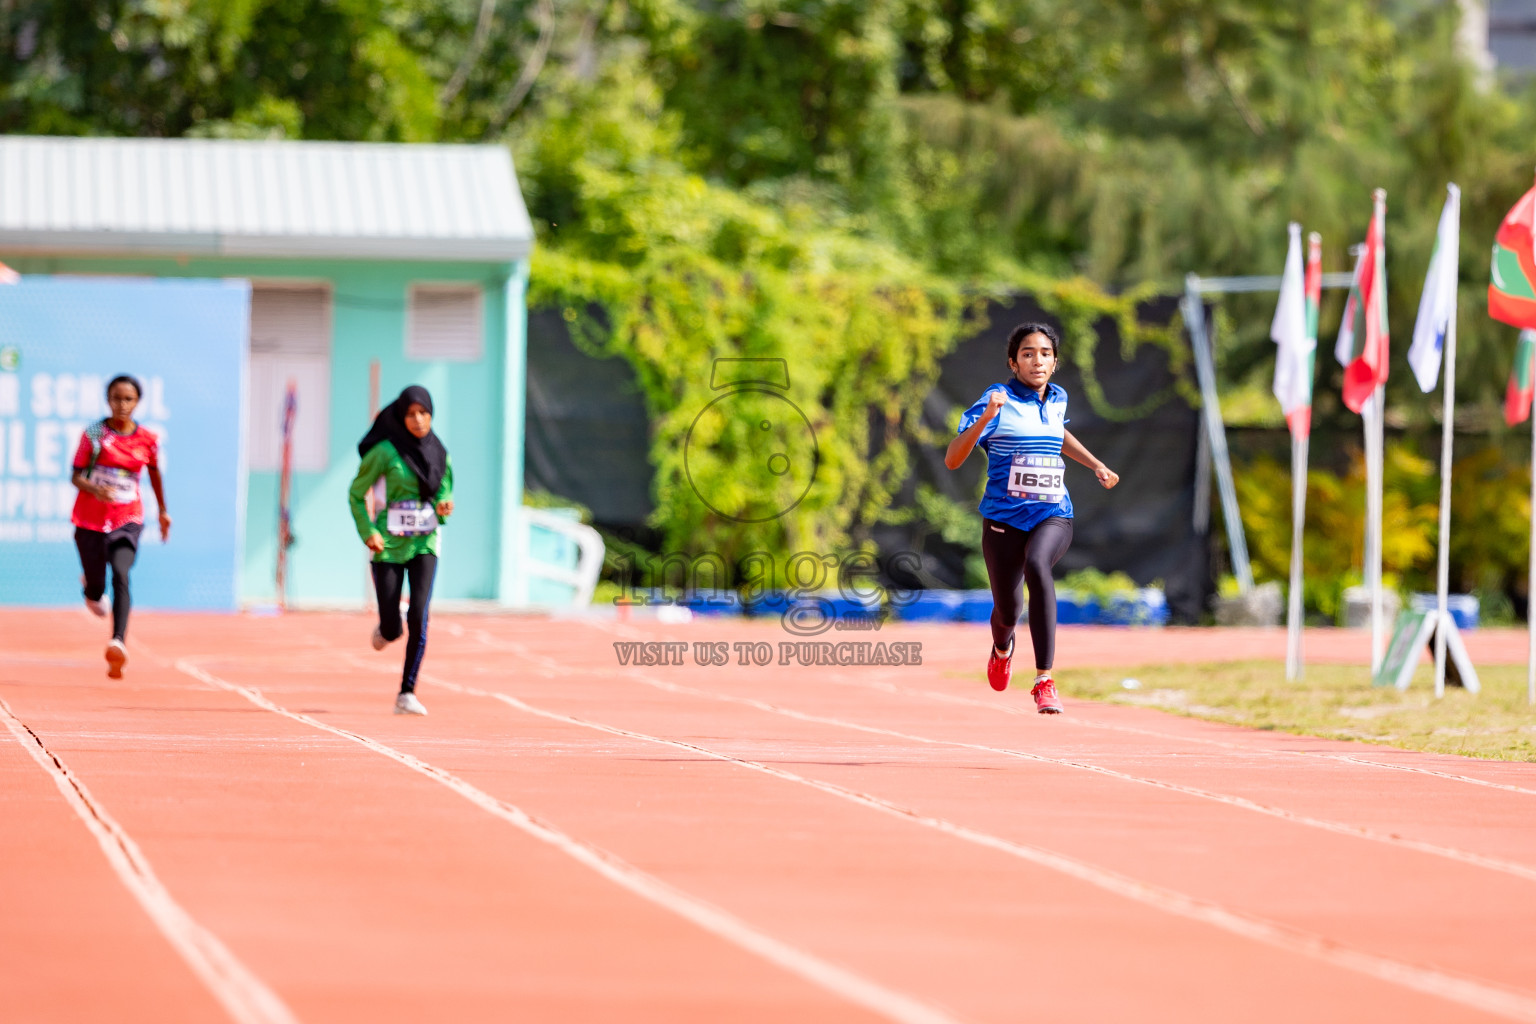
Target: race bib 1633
1038, 478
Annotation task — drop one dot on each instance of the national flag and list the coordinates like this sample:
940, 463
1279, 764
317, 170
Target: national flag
1437, 305
1314, 286
1512, 293
1369, 369
1296, 346
1344, 347
1521, 389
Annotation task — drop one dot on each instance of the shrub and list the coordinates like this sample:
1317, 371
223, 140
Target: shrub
1490, 510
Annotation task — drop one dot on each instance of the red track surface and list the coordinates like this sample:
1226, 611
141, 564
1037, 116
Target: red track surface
739, 843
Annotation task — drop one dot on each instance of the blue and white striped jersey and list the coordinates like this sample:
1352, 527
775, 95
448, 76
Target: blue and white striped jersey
1026, 482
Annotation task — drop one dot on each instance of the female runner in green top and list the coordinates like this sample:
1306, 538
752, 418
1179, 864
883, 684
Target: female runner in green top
418, 495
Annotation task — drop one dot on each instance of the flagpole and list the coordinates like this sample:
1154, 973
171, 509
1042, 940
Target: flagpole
1379, 399
1375, 462
1299, 420
1343, 352
1368, 418
1293, 620
1530, 592
1368, 438
1447, 453
1442, 583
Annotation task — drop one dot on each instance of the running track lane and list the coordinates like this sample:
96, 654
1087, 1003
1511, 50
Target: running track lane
77, 945
1527, 872
1302, 889
360, 891
742, 844
981, 934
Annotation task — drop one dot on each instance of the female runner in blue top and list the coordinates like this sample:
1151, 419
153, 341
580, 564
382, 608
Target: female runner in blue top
1026, 512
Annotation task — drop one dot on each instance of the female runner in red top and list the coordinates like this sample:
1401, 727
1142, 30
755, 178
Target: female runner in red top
108, 514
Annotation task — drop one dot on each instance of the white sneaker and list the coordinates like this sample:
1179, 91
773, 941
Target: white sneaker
407, 704
379, 643
117, 657
98, 607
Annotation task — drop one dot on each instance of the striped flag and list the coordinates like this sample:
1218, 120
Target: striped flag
1520, 392
1438, 303
1344, 347
1297, 346
1314, 292
1512, 293
1370, 368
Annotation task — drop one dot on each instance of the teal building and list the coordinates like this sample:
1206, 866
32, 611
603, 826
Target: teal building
372, 266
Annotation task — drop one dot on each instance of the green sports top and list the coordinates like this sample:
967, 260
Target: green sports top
400, 485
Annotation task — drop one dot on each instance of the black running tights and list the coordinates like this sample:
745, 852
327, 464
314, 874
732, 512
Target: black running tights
388, 582
99, 550
1017, 557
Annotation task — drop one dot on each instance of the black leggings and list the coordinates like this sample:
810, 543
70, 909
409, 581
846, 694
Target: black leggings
117, 549
1015, 557
388, 581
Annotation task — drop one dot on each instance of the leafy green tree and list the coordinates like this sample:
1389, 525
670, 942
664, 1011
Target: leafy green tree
768, 90
1196, 130
686, 272
824, 179
300, 68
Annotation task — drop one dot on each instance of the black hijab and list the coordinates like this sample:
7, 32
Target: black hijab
426, 456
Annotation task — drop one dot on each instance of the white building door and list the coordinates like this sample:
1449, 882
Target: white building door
290, 341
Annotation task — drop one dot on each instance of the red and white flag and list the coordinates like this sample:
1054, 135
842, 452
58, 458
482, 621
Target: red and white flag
1295, 345
1369, 370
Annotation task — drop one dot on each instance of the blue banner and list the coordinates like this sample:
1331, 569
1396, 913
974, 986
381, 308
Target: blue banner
61, 340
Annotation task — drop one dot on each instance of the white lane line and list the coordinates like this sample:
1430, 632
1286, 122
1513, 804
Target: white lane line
1507, 867
1428, 771
1263, 751
618, 629
244, 996
841, 982
1479, 995
1354, 831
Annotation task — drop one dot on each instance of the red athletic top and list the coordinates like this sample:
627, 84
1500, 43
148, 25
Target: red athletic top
117, 469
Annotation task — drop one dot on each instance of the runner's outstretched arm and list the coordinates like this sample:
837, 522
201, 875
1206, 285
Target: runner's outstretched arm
444, 504
1073, 449
961, 446
373, 467
159, 489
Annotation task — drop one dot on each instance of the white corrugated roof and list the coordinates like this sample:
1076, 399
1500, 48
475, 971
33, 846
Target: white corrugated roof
231, 197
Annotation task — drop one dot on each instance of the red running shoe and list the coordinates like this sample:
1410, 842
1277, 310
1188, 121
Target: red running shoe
1046, 700
1000, 669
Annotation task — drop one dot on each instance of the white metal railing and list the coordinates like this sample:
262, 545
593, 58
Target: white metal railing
589, 557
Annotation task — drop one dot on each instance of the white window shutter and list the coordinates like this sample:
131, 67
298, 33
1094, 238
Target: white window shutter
445, 322
290, 341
